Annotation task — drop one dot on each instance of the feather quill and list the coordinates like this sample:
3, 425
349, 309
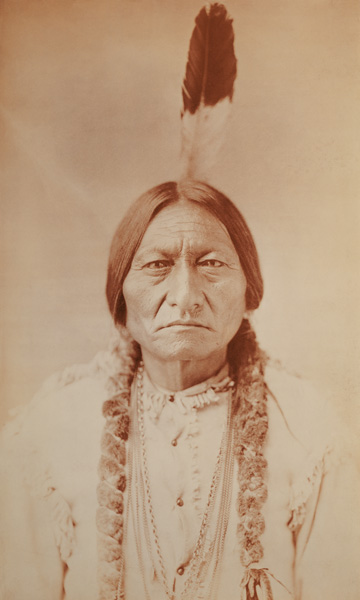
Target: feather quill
208, 89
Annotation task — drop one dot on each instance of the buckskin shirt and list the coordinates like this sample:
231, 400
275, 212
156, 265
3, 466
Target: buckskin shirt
50, 460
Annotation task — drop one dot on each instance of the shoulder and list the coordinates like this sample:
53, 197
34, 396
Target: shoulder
56, 407
56, 432
296, 403
62, 420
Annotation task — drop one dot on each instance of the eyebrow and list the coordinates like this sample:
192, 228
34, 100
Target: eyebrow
168, 254
140, 255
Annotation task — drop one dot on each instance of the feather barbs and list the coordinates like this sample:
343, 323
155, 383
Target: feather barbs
208, 89
211, 66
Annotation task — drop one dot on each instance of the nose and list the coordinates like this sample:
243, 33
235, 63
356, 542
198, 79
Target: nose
185, 288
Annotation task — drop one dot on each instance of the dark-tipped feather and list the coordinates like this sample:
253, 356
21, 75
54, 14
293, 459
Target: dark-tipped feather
207, 90
211, 67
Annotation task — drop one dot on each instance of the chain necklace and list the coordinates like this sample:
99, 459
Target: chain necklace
208, 548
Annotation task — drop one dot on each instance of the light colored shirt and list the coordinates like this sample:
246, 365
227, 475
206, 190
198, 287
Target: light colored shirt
183, 434
49, 475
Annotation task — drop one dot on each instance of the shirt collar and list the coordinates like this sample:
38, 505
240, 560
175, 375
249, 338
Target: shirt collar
210, 391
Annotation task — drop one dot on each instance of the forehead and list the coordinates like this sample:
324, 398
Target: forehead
186, 222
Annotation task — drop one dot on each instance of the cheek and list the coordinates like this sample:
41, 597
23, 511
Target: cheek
139, 304
133, 292
231, 293
132, 296
231, 303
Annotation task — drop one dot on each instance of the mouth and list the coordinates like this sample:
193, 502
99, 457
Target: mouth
184, 325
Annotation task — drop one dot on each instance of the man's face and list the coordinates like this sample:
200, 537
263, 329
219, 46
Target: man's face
185, 291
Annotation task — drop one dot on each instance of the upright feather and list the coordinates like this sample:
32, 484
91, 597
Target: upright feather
207, 90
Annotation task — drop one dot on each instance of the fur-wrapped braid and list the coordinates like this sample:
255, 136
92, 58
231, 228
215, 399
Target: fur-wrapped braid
112, 475
250, 421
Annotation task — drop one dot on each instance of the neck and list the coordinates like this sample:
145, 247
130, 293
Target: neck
181, 374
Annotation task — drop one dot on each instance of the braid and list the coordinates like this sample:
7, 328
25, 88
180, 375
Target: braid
112, 474
250, 421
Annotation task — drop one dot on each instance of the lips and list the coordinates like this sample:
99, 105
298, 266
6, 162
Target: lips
184, 324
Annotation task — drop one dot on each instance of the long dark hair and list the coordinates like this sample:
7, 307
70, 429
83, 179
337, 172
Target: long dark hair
131, 230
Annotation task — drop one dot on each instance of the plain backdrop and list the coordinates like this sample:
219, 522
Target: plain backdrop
90, 98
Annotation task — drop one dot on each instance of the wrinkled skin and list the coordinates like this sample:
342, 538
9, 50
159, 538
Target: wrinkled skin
185, 291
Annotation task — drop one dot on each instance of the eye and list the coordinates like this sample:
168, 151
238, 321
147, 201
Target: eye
157, 265
211, 262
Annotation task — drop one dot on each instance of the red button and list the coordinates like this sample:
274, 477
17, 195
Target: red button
171, 398
174, 442
180, 502
180, 571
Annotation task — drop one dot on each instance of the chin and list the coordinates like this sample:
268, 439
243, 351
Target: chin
184, 349
185, 355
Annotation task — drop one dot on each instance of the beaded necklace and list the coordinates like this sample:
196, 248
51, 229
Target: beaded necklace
209, 547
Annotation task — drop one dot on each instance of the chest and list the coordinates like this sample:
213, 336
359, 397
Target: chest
181, 454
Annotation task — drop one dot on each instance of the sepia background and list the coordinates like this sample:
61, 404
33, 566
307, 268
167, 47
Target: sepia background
90, 105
